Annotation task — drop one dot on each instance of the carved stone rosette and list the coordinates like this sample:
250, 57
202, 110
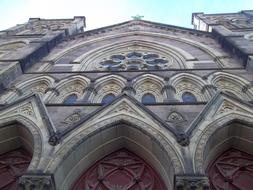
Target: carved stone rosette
191, 182
38, 182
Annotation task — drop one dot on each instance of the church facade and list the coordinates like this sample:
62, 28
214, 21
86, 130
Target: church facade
137, 105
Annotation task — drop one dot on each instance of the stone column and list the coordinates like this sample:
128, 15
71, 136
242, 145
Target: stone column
170, 91
88, 91
128, 89
209, 89
191, 182
37, 181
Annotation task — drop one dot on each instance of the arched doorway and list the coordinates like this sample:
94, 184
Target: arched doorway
15, 154
120, 170
232, 170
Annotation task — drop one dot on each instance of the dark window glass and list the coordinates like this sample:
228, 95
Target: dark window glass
188, 97
108, 98
148, 98
70, 99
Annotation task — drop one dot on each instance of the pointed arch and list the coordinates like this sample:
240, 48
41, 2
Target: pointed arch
187, 82
70, 85
104, 134
229, 130
110, 84
231, 83
38, 85
210, 51
149, 83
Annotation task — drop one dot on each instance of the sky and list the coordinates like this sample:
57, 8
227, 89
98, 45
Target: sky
101, 13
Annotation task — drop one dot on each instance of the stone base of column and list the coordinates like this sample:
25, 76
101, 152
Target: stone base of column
191, 182
37, 181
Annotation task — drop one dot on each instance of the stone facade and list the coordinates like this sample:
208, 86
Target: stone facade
175, 97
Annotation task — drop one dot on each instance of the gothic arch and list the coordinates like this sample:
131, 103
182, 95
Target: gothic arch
149, 83
229, 130
34, 132
231, 83
199, 45
111, 84
37, 85
89, 60
97, 138
70, 85
186, 82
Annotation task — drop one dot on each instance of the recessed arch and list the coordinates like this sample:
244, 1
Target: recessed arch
122, 169
231, 83
231, 130
119, 131
37, 85
70, 85
89, 60
111, 84
187, 82
199, 45
149, 83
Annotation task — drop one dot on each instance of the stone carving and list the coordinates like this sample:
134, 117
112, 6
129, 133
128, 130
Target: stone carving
134, 61
175, 117
232, 170
228, 107
13, 164
120, 170
72, 118
124, 107
36, 181
27, 109
190, 182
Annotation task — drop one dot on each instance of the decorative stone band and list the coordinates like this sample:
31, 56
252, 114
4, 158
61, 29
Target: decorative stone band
37, 181
191, 182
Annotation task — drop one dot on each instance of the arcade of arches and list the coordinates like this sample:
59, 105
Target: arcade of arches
137, 105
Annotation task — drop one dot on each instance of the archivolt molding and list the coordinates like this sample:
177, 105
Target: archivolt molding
185, 82
109, 84
231, 83
71, 85
28, 114
122, 111
37, 85
91, 59
149, 84
213, 53
221, 112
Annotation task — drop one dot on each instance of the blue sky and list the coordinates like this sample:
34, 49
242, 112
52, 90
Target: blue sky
100, 13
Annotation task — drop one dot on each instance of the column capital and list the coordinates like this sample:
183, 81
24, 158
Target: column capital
191, 182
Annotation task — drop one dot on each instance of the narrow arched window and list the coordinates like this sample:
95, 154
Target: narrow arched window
148, 98
70, 99
108, 98
188, 97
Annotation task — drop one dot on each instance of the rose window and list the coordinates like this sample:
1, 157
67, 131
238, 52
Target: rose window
134, 61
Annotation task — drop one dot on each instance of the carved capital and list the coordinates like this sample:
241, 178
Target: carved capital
129, 89
38, 182
169, 88
208, 87
191, 182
